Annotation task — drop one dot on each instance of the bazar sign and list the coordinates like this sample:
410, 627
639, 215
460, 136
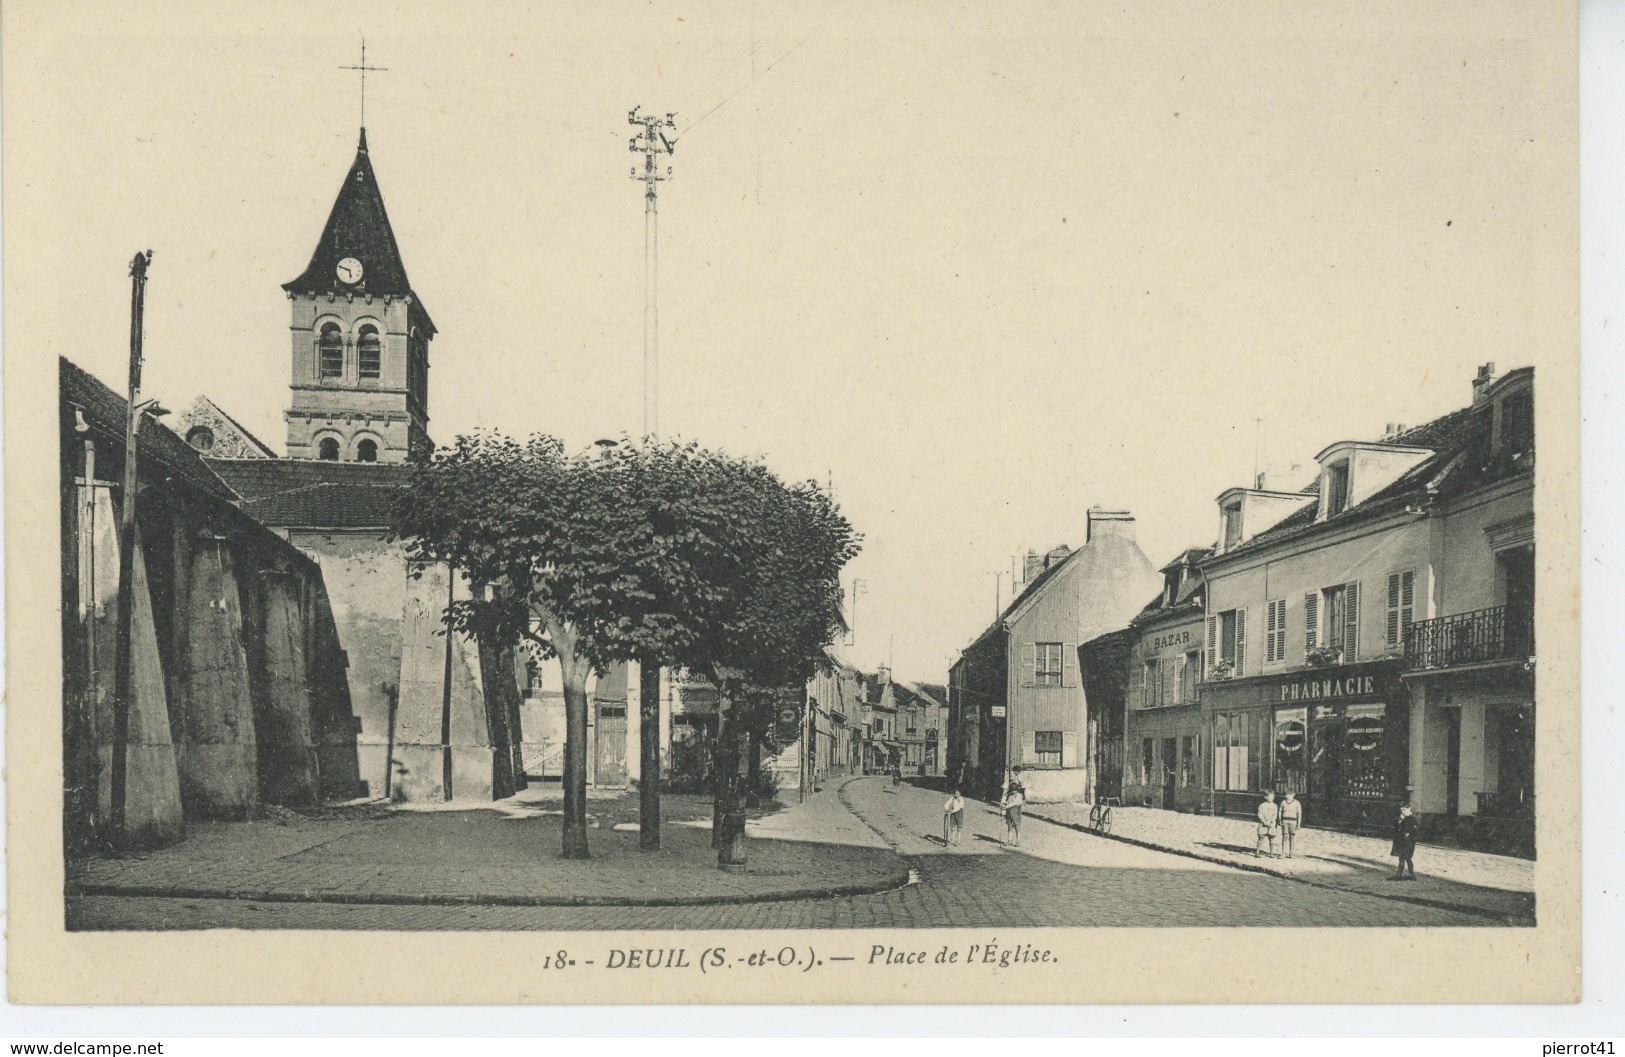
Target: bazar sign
1325, 689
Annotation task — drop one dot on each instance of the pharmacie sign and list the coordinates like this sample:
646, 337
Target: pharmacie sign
1333, 686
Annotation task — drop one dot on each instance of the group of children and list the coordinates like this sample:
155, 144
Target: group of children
1282, 821
1015, 797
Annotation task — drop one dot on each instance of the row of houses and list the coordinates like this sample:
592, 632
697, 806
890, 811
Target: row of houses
1363, 641
870, 723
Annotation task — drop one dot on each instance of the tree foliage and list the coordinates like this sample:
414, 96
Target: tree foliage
661, 552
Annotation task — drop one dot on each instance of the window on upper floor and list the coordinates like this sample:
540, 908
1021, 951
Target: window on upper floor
1047, 671
1047, 748
1275, 631
369, 354
1518, 423
1401, 610
366, 451
200, 438
331, 345
1227, 642
1331, 624
1232, 525
1337, 488
328, 449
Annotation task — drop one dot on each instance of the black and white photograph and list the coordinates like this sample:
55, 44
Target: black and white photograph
917, 484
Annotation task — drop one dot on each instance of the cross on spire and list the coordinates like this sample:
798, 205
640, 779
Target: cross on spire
362, 69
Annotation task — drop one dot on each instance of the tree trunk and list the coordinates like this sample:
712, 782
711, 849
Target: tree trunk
575, 760
649, 756
720, 766
753, 780
731, 844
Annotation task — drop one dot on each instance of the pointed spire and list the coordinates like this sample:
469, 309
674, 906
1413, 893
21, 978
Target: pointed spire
357, 228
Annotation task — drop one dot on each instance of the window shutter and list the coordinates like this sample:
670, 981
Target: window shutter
1029, 747
1069, 664
1029, 664
1179, 679
1241, 642
1269, 632
1407, 603
1145, 685
1390, 631
1280, 629
1311, 620
1351, 622
1212, 642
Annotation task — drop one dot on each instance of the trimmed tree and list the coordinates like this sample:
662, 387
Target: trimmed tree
649, 552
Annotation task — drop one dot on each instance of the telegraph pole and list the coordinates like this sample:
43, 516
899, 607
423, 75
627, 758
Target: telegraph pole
123, 655
652, 142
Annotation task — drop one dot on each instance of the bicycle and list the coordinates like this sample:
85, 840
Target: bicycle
1100, 816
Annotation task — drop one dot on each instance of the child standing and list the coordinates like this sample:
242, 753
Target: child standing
1014, 799
953, 819
1291, 819
1404, 848
1268, 815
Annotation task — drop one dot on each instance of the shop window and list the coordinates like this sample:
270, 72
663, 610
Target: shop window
1187, 761
1148, 761
1291, 749
1048, 661
1047, 747
1363, 736
1230, 751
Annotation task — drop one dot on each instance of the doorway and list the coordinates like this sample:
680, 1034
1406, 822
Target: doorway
1452, 761
1170, 771
611, 744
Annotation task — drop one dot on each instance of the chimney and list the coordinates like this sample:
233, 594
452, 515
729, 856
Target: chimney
1486, 375
1032, 565
1116, 523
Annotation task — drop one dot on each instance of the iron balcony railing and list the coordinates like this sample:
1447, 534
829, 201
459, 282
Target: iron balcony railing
1500, 633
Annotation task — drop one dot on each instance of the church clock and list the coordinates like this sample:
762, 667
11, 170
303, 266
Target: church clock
349, 271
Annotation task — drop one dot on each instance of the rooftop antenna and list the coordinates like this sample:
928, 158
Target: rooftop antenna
1258, 434
362, 69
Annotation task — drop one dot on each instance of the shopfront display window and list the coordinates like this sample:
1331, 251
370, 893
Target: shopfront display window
1292, 749
1187, 761
1230, 755
1363, 734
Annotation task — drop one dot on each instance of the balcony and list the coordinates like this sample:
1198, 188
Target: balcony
1483, 636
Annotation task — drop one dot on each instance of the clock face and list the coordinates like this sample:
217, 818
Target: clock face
349, 270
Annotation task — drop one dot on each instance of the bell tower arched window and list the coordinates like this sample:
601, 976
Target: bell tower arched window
366, 451
331, 346
328, 450
370, 354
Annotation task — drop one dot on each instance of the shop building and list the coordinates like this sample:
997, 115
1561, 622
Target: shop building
1323, 674
1162, 730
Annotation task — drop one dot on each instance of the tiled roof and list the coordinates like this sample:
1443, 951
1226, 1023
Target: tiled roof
299, 493
357, 227
1461, 461
106, 413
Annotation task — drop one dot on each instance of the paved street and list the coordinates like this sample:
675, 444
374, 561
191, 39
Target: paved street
1058, 877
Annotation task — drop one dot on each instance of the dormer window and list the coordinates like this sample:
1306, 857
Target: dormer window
1232, 525
1337, 488
1517, 415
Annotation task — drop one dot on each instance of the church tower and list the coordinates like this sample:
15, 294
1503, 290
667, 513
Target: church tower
360, 337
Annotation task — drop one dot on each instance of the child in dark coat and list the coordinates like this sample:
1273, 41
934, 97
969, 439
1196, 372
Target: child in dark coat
1404, 848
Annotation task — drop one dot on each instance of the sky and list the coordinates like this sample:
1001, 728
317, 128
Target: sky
977, 273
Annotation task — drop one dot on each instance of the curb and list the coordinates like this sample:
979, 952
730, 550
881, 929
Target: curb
891, 883
1422, 901
494, 900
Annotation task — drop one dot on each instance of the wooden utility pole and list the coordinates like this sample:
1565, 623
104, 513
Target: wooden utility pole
123, 654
